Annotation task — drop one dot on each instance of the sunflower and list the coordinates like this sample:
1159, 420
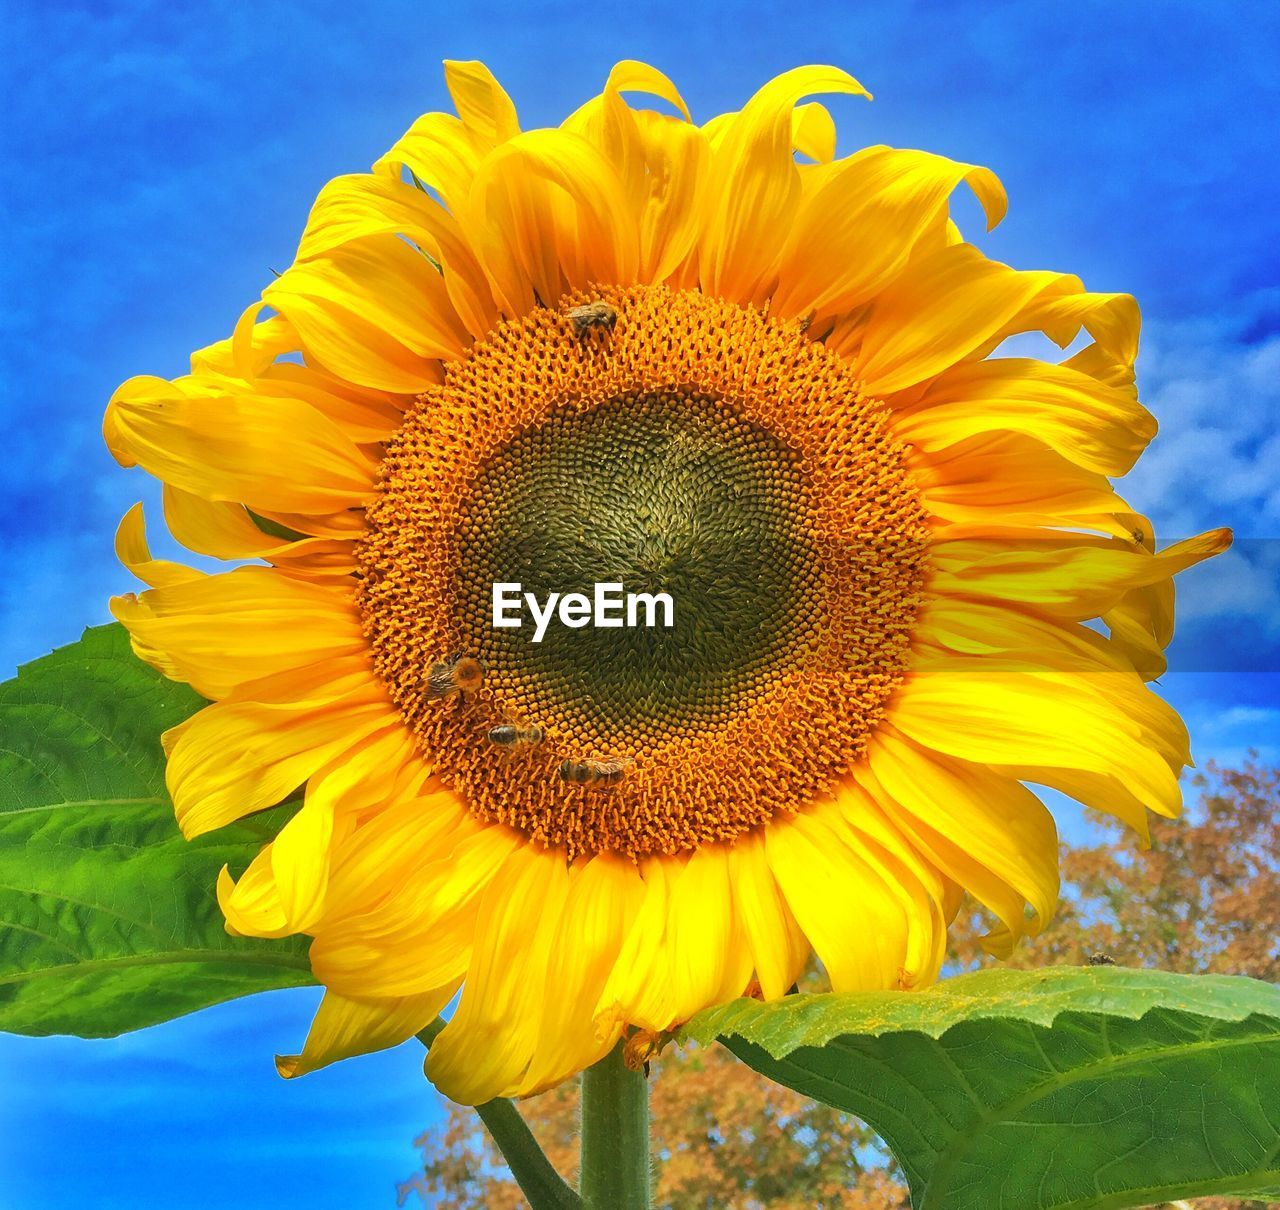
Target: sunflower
712, 361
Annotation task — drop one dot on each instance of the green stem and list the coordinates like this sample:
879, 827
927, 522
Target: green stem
541, 1184
615, 1136
538, 1180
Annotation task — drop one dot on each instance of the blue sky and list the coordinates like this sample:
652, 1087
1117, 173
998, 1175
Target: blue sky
159, 160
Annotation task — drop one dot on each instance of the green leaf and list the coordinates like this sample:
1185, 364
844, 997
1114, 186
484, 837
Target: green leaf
1088, 1088
108, 918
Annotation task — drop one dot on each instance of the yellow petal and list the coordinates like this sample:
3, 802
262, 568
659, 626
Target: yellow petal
420, 932
605, 893
660, 161
607, 120
854, 232
927, 898
442, 154
813, 132
640, 954
262, 355
488, 1044
776, 942
1141, 626
374, 311
252, 347
939, 310
1106, 365
485, 109
384, 855
302, 852
225, 441
137, 390
677, 162
1101, 791
226, 531
1007, 636
251, 903
555, 217
132, 550
870, 931
685, 950
630, 75
1113, 320
969, 875
300, 862
233, 758
990, 821
1114, 689
756, 185
1006, 479
344, 1027
353, 207
225, 630
346, 525
1040, 719
1099, 427
1066, 575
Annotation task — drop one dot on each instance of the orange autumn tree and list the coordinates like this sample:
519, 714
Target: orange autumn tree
1205, 898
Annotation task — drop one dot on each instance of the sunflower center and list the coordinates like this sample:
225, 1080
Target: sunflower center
666, 492
693, 449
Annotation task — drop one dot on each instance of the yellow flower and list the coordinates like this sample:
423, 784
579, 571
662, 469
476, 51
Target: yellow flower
883, 546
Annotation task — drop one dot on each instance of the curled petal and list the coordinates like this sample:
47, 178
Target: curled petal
221, 632
374, 311
941, 309
344, 1027
485, 109
1101, 428
222, 440
756, 186
854, 232
351, 208
554, 217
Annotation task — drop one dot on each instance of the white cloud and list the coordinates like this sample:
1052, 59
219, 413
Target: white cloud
1248, 716
1214, 461
1240, 583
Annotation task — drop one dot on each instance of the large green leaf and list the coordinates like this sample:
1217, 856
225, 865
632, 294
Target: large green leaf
1087, 1088
108, 920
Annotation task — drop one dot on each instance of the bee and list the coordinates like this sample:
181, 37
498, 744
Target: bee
508, 735
1100, 959
460, 674
592, 315
602, 773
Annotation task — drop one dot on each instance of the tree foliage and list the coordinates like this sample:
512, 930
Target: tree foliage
1205, 898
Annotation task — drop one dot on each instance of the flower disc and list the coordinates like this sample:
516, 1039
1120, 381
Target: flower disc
695, 448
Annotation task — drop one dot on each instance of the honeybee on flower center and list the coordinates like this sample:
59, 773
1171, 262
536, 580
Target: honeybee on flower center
602, 774
508, 735
460, 674
591, 316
